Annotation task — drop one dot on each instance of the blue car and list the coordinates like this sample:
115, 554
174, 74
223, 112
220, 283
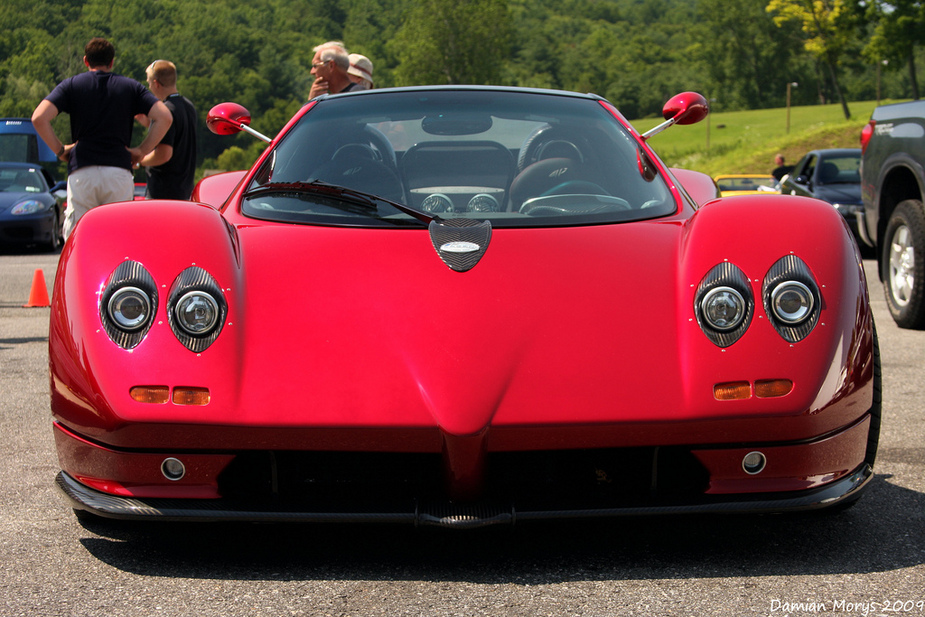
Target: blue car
830, 175
31, 207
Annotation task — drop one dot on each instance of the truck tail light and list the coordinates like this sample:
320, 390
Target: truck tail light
866, 133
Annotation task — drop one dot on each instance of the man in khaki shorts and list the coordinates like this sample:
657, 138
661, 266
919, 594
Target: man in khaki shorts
102, 106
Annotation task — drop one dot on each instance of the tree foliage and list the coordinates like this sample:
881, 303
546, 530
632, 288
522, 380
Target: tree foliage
635, 53
829, 29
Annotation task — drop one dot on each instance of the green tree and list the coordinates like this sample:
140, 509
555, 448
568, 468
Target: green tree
453, 42
898, 29
745, 56
828, 27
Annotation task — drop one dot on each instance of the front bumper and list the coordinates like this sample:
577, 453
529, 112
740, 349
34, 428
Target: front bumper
843, 491
27, 230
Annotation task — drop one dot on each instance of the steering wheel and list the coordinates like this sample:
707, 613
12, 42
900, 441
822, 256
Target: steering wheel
547, 142
371, 135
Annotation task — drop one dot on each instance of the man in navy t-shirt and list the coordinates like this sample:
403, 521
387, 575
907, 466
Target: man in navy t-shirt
102, 107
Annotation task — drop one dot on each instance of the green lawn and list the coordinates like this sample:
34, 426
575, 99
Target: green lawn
746, 141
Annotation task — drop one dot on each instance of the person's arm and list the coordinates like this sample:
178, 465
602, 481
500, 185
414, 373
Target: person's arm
160, 121
41, 121
160, 155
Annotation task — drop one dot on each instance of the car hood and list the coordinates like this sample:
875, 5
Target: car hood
839, 193
373, 320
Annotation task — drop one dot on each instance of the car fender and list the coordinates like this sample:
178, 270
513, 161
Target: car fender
165, 237
216, 189
842, 340
699, 186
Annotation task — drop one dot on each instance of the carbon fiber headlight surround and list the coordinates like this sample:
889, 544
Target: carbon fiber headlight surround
724, 304
128, 304
791, 298
196, 309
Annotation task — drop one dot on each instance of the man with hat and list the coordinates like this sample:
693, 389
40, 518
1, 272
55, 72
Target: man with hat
361, 72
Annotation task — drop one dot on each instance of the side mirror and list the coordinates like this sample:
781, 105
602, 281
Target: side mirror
227, 118
686, 108
230, 118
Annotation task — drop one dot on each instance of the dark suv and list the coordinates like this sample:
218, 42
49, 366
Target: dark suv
892, 187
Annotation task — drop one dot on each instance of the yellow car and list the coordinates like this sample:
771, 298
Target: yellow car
746, 184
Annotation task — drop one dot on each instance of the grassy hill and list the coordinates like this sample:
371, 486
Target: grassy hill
746, 141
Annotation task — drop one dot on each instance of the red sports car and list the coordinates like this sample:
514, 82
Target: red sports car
461, 306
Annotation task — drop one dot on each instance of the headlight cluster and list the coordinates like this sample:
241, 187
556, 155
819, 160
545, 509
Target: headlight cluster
724, 303
30, 206
791, 298
196, 307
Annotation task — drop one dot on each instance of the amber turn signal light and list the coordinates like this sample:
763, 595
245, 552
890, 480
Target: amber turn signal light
732, 391
191, 396
157, 395
772, 388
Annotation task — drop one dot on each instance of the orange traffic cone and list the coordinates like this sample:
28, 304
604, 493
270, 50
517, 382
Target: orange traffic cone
38, 295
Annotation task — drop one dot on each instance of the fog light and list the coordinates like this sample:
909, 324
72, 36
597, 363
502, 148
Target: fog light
173, 469
754, 463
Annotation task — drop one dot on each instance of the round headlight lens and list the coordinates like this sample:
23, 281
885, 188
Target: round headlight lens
129, 308
723, 308
792, 302
197, 313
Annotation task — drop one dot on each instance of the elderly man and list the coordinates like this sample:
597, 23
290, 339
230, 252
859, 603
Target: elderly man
329, 66
361, 71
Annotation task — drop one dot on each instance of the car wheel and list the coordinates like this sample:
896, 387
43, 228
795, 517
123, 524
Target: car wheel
903, 265
56, 232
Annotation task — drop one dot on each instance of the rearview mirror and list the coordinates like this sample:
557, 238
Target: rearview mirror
686, 108
227, 118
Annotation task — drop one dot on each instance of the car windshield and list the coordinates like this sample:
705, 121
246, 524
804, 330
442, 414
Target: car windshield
840, 169
517, 159
20, 180
743, 183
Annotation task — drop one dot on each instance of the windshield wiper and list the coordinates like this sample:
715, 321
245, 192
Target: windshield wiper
351, 196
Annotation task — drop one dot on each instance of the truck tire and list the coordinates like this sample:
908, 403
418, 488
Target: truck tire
903, 265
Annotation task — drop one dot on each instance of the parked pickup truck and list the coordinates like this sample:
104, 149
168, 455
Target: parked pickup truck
892, 188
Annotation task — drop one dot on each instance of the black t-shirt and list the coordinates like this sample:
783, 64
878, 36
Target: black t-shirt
102, 107
781, 171
175, 178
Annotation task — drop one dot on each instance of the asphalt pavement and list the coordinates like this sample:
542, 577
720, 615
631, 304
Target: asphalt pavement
869, 560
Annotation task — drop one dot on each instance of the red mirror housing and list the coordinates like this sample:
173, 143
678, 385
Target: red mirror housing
227, 118
686, 108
